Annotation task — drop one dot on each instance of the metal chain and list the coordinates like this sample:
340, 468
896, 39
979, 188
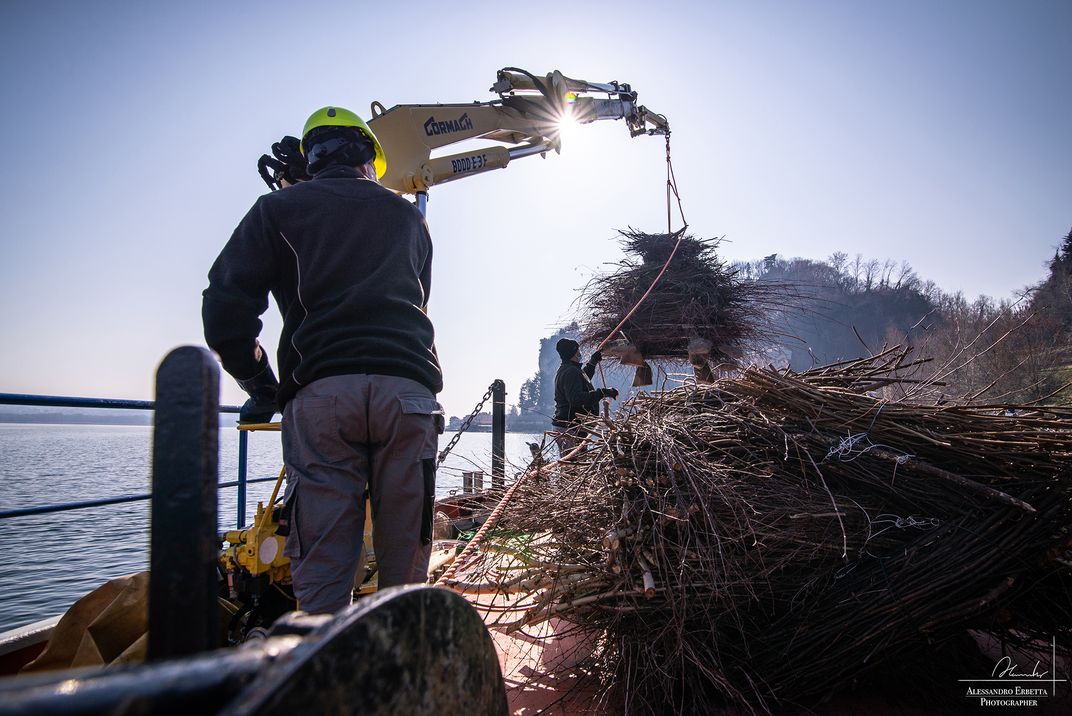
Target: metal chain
465, 426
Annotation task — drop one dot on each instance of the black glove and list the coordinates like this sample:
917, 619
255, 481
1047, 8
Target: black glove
595, 358
288, 164
611, 393
262, 389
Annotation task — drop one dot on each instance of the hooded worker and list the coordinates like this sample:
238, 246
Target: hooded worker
574, 394
349, 264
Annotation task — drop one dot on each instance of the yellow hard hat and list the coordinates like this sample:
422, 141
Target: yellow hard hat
339, 117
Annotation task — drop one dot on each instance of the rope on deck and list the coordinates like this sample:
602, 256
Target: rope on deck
461, 559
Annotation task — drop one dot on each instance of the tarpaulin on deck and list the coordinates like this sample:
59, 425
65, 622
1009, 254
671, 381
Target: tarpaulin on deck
107, 626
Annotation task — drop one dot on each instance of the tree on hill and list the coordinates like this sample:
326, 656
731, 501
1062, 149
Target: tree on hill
1054, 295
528, 398
845, 308
842, 308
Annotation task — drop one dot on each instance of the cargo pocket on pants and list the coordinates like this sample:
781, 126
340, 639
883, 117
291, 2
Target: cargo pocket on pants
429, 467
414, 408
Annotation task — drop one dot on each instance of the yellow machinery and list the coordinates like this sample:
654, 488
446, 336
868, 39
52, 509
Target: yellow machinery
257, 587
526, 120
256, 574
256, 550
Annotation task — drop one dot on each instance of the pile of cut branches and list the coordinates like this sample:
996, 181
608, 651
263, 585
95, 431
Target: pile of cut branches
698, 300
777, 537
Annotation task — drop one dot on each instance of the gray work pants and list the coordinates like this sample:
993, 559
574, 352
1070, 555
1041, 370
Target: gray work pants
341, 434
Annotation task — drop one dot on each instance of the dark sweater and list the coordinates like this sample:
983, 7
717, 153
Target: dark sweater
349, 265
574, 394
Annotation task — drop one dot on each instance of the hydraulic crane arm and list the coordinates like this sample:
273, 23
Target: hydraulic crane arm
524, 121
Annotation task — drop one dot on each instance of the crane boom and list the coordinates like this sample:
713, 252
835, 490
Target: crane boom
524, 121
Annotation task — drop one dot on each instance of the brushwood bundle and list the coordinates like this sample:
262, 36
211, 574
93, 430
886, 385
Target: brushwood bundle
776, 537
698, 300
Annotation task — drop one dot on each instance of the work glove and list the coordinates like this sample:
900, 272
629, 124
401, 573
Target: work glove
611, 393
262, 389
595, 358
287, 167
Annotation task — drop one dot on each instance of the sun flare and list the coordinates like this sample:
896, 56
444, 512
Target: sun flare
567, 127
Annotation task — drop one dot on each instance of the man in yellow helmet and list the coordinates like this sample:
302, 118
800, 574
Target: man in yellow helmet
349, 265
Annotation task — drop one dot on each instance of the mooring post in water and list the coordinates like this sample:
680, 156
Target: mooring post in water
498, 434
182, 552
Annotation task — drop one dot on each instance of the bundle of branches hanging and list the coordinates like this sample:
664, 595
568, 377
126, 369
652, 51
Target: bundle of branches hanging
698, 309
775, 538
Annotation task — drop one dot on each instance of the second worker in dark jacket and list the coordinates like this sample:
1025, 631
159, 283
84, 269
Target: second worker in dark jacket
574, 394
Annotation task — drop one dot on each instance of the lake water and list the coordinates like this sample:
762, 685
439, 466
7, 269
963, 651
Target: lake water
49, 561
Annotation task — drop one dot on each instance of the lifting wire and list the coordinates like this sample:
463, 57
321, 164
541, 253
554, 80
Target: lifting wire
461, 558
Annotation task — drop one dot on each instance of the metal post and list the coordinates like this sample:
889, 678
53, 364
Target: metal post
498, 434
422, 203
182, 555
472, 482
243, 451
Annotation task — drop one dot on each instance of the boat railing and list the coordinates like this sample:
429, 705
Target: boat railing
186, 672
496, 391
62, 401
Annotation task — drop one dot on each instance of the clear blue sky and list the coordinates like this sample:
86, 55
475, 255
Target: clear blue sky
933, 132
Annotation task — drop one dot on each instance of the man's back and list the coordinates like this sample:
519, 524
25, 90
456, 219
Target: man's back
349, 265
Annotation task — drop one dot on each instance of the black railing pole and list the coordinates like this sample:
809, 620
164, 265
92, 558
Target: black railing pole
498, 434
243, 451
182, 554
